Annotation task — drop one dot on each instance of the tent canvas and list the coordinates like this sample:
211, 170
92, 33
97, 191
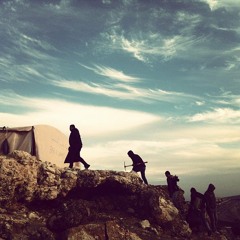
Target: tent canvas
43, 141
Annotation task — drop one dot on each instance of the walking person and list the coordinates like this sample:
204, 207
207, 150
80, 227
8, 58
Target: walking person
75, 146
138, 165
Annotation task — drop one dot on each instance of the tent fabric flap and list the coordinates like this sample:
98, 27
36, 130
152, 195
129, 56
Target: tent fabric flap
18, 139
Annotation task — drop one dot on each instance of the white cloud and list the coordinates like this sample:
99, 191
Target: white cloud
212, 3
226, 98
112, 73
4, 62
116, 91
95, 120
122, 91
106, 2
222, 115
137, 48
31, 71
215, 4
200, 103
147, 47
27, 40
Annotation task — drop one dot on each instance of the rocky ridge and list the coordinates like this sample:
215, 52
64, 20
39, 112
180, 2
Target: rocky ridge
39, 200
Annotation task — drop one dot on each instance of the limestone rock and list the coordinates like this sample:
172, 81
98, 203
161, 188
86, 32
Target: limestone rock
39, 200
23, 177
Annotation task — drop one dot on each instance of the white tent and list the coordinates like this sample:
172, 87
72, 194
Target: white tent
45, 142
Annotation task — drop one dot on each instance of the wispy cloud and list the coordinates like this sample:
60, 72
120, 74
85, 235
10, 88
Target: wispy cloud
24, 56
26, 40
215, 4
221, 115
200, 103
126, 92
111, 73
148, 46
95, 88
226, 98
10, 98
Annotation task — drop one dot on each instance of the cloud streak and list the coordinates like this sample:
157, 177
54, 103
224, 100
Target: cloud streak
111, 73
221, 115
149, 46
125, 92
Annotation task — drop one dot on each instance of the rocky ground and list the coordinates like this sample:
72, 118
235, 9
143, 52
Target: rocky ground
41, 201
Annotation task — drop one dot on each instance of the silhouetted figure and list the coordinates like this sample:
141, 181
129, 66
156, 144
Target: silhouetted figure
172, 183
175, 193
75, 146
138, 165
211, 206
197, 211
5, 145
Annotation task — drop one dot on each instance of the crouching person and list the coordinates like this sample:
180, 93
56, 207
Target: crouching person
175, 193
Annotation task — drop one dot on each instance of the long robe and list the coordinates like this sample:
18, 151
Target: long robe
75, 146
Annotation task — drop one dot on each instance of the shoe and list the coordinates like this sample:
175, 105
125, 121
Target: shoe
87, 166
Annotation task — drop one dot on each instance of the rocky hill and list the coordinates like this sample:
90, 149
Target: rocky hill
41, 201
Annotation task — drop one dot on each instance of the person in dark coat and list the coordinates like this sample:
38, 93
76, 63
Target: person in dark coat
211, 206
197, 211
5, 145
75, 146
138, 165
175, 193
172, 184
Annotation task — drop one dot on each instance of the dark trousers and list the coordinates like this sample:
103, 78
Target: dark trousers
204, 221
213, 218
144, 177
74, 156
141, 169
80, 160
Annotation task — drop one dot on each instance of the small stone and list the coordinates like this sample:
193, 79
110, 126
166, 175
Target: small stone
145, 224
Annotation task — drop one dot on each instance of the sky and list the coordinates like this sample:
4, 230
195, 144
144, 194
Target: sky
158, 77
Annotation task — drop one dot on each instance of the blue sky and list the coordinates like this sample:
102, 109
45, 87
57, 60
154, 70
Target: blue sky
158, 77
